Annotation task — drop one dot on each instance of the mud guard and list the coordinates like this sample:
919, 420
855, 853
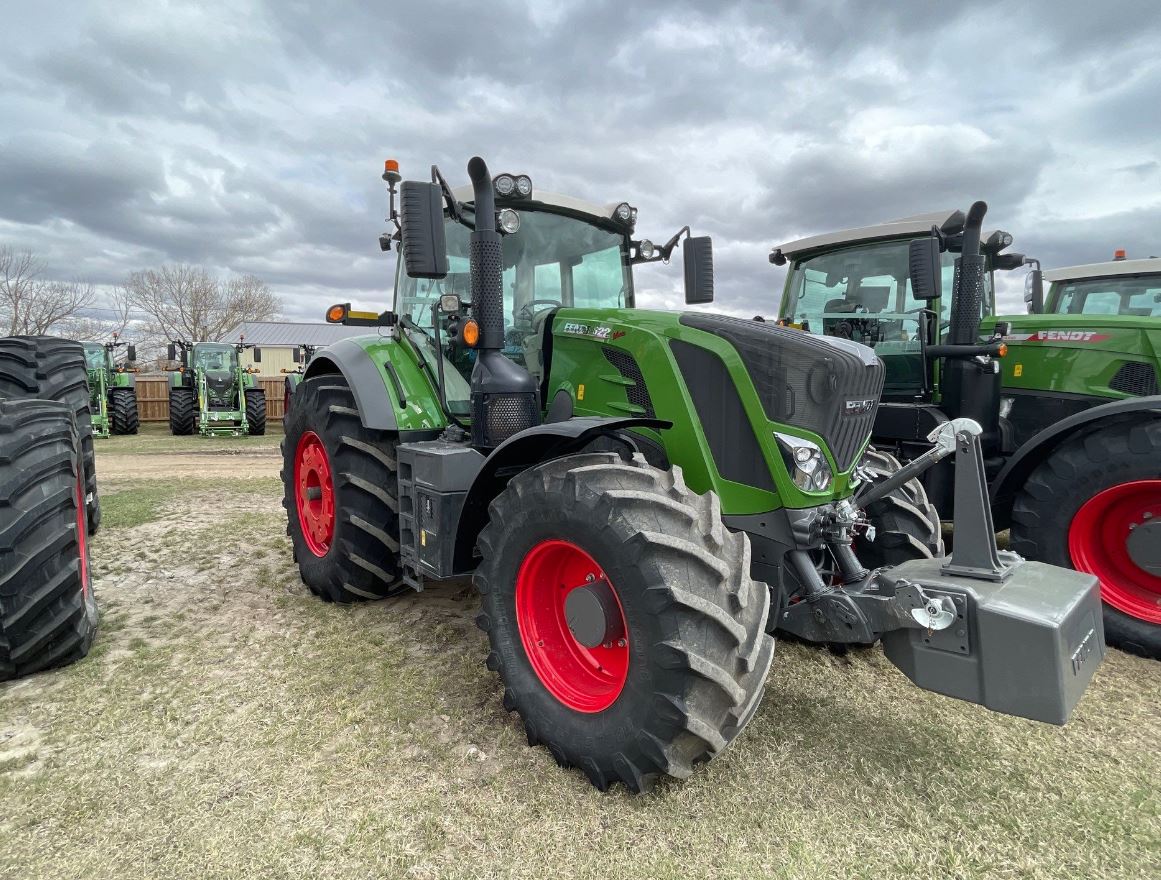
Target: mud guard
376, 407
1007, 484
525, 450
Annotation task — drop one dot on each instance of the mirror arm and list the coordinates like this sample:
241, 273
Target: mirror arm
666, 249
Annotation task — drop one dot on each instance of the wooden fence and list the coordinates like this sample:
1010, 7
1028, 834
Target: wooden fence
153, 397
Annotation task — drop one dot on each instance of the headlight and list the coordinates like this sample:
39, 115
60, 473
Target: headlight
509, 221
524, 185
624, 212
505, 184
807, 465
645, 249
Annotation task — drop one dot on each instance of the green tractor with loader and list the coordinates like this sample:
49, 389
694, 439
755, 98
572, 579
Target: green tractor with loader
1067, 396
48, 613
641, 497
112, 388
210, 392
301, 355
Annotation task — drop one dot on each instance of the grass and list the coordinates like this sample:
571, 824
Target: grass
155, 439
227, 724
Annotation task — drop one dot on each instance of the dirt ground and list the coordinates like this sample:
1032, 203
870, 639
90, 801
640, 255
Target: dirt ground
227, 724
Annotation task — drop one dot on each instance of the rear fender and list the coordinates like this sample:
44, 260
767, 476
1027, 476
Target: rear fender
1007, 484
522, 451
392, 390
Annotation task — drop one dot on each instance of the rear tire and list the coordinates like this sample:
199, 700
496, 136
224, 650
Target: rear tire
696, 653
330, 462
906, 523
123, 416
182, 411
48, 614
256, 411
50, 368
1052, 498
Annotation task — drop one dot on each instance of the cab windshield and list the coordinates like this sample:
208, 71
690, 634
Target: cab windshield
95, 357
863, 293
1135, 295
215, 359
553, 261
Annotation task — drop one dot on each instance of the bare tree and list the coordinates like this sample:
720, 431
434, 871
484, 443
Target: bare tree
31, 305
188, 303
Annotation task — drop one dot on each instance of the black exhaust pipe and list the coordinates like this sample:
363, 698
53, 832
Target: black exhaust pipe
505, 399
972, 386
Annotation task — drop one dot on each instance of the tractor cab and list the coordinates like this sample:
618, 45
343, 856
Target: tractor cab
96, 356
559, 252
215, 357
855, 285
1128, 288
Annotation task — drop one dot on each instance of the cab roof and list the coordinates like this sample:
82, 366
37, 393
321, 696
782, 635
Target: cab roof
1151, 266
919, 224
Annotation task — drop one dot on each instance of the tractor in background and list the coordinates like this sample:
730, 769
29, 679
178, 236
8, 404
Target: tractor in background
641, 497
210, 392
1067, 396
112, 388
48, 612
302, 355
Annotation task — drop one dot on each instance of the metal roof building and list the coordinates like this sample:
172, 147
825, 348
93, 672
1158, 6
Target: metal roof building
283, 333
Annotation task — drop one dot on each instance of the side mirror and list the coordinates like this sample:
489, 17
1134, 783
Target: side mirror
1034, 292
924, 269
296, 355
257, 354
171, 352
131, 353
698, 254
421, 228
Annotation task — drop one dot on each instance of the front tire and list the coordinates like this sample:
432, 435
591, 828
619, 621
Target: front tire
48, 614
906, 523
680, 665
183, 411
256, 411
123, 414
1095, 505
339, 492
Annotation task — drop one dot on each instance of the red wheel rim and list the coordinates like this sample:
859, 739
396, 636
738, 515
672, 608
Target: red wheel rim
83, 534
1097, 543
314, 493
587, 679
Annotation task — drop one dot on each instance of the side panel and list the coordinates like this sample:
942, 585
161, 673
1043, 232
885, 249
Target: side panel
589, 365
392, 387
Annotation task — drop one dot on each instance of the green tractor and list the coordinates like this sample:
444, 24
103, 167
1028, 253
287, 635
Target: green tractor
112, 388
48, 612
641, 497
212, 393
1067, 396
302, 355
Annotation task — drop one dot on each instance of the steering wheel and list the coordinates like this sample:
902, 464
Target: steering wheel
526, 311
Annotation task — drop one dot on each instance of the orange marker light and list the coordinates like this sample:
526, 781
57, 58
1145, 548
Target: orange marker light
1119, 254
1003, 349
470, 333
336, 313
391, 165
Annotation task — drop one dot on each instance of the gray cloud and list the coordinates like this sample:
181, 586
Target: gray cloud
247, 136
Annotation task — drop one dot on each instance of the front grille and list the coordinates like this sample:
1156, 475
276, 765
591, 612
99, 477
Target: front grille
825, 385
637, 394
496, 417
1137, 378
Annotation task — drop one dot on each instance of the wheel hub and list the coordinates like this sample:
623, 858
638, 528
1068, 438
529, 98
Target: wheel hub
1144, 545
314, 493
593, 615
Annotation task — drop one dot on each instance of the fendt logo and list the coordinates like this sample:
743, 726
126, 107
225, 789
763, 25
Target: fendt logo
1058, 336
859, 407
596, 331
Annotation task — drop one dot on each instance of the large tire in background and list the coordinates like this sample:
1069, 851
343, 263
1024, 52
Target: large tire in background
339, 491
256, 411
677, 653
1095, 505
183, 411
906, 523
123, 416
48, 614
50, 368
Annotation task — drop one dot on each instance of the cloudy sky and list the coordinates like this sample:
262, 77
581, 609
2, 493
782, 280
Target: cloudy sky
249, 136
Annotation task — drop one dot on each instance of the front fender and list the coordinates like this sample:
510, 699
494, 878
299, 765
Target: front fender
1007, 484
522, 451
392, 391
